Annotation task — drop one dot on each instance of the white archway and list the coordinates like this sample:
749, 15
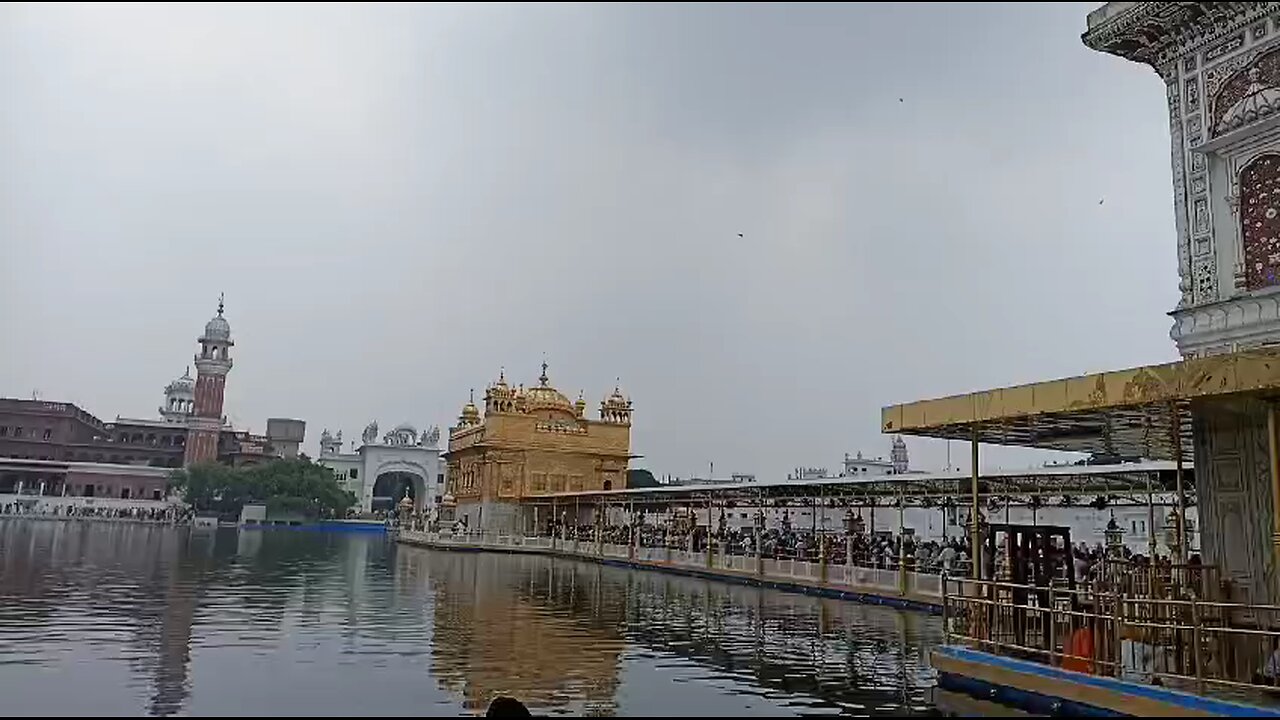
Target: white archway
396, 476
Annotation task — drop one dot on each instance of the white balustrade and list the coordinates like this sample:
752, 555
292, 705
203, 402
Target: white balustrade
880, 581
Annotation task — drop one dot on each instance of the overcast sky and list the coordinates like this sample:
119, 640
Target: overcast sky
398, 200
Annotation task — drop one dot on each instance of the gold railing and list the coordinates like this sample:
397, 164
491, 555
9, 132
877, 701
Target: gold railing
1162, 580
1202, 646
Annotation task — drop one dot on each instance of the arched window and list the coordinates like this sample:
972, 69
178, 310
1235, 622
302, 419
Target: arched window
1260, 221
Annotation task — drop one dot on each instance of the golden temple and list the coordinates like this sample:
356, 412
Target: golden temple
532, 442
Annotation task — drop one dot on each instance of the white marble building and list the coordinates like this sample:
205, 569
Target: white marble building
1220, 65
380, 472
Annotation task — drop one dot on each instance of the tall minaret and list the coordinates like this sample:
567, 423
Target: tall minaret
898, 454
213, 362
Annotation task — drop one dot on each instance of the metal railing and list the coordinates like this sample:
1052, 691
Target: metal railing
1162, 580
1202, 646
899, 581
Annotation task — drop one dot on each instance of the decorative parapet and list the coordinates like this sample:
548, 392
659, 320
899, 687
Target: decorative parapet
560, 428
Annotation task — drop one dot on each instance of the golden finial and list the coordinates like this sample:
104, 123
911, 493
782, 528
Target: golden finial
543, 377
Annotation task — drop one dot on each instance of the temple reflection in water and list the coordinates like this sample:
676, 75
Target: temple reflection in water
159, 621
557, 634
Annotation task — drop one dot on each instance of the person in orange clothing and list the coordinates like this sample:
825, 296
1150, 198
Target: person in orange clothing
1080, 649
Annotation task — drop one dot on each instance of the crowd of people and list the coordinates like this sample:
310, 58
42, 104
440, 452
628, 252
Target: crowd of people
883, 550
169, 514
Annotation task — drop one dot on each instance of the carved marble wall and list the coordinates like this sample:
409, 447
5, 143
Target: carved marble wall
1233, 488
1220, 92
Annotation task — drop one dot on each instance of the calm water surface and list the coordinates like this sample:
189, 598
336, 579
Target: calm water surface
127, 620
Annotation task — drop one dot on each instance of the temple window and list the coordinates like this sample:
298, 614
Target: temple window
1260, 221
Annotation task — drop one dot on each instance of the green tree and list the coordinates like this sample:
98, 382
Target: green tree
294, 486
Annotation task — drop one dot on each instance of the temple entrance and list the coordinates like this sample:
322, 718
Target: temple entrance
391, 486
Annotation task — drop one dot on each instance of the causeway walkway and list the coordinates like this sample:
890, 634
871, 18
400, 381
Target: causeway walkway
895, 588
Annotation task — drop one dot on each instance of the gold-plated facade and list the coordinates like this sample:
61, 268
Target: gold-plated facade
532, 442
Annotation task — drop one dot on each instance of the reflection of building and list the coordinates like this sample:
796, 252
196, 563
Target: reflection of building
561, 637
379, 473
491, 639
62, 433
533, 442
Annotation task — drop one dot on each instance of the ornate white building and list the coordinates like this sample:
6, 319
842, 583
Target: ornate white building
179, 399
1220, 62
380, 472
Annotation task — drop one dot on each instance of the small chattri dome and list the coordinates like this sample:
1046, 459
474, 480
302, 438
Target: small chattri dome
500, 390
183, 383
470, 413
616, 408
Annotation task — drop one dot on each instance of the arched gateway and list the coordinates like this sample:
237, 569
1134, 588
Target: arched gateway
380, 473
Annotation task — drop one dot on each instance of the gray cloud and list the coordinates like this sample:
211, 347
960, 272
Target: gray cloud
399, 200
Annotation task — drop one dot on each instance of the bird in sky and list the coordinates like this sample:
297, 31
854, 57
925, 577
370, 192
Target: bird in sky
1101, 201
739, 234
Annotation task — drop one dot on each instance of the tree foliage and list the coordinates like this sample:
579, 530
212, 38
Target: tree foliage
297, 486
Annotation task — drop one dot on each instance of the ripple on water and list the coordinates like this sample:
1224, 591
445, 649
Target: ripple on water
163, 621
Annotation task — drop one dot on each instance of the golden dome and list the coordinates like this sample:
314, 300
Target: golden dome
470, 413
545, 397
